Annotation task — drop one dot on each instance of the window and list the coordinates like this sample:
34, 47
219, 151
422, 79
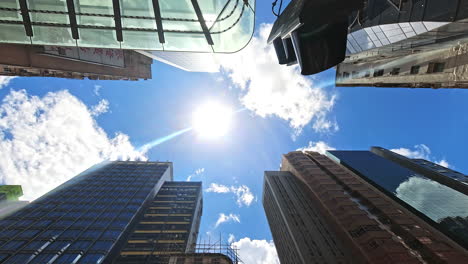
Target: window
43, 258
367, 74
80, 245
70, 234
111, 234
59, 245
36, 245
92, 258
345, 75
378, 72
91, 234
68, 259
395, 71
51, 233
102, 246
42, 223
20, 258
414, 69
8, 233
30, 233
435, 67
13, 245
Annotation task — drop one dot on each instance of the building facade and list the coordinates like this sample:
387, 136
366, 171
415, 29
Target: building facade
167, 25
84, 218
168, 225
382, 43
349, 216
407, 44
73, 62
424, 195
114, 212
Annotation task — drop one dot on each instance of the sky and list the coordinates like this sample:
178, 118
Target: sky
52, 129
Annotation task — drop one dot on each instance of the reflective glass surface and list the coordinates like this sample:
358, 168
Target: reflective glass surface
182, 25
447, 207
81, 220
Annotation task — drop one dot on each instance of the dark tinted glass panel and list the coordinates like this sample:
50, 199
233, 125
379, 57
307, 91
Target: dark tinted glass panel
428, 197
92, 258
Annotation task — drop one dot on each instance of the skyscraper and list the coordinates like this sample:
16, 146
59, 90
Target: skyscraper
430, 197
321, 211
114, 212
384, 43
168, 225
83, 219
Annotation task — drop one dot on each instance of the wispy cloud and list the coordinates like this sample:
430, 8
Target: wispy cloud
197, 173
420, 151
101, 108
97, 90
44, 141
319, 146
227, 218
5, 80
272, 89
242, 192
255, 251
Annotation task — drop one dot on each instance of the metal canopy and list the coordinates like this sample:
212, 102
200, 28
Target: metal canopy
164, 25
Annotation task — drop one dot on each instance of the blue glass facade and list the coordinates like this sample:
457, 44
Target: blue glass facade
81, 220
436, 202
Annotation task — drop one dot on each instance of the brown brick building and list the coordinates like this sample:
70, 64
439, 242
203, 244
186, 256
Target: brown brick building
319, 211
73, 63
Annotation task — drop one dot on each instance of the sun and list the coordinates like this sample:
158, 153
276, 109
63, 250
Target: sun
212, 120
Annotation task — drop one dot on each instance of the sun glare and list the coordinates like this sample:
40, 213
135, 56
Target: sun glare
212, 120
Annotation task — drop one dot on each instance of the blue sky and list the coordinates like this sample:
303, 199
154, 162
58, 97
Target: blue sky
52, 130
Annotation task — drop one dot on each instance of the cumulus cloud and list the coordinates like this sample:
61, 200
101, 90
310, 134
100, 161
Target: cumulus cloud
44, 141
319, 146
420, 151
254, 251
272, 89
197, 173
101, 108
242, 192
227, 218
5, 80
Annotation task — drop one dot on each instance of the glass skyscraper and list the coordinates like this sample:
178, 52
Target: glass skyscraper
84, 218
323, 211
182, 25
426, 196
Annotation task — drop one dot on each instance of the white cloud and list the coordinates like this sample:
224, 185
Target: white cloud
101, 108
44, 141
197, 173
420, 151
227, 218
272, 89
257, 251
231, 238
97, 89
5, 80
319, 146
242, 192
218, 188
